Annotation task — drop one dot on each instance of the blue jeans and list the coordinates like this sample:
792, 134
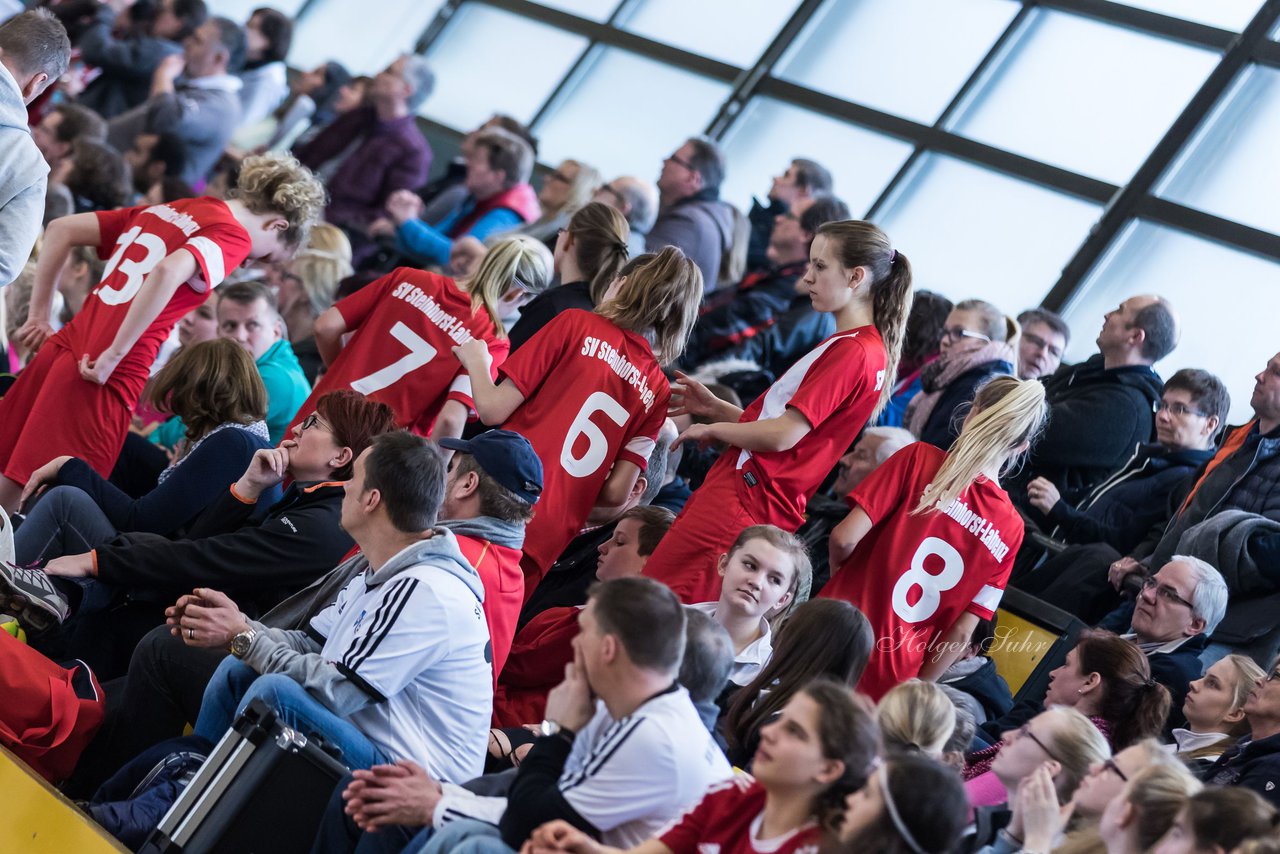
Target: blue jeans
465, 836
65, 521
235, 684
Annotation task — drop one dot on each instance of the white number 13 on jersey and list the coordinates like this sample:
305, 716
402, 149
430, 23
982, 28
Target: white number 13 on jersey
134, 271
420, 352
931, 586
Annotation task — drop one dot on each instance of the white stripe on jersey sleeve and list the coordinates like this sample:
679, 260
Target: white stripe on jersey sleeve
209, 254
988, 597
641, 446
462, 384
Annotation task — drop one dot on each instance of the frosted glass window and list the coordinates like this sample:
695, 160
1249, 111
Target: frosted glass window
770, 134
365, 37
602, 119
1098, 111
471, 87
733, 31
239, 10
596, 10
907, 57
971, 232
1229, 169
1226, 301
1228, 14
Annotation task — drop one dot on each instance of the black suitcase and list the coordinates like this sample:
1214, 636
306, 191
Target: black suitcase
261, 791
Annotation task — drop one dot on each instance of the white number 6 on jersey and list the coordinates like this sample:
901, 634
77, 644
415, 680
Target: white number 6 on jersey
598, 446
931, 586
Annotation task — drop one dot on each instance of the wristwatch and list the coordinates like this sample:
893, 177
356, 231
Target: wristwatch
239, 646
550, 727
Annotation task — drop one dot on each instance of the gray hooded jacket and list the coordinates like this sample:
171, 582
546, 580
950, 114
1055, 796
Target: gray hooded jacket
23, 177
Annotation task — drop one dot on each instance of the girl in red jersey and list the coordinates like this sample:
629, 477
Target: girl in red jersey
588, 393
784, 444
817, 752
927, 548
76, 396
405, 324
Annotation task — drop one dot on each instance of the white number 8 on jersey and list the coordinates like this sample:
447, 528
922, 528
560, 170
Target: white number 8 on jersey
931, 586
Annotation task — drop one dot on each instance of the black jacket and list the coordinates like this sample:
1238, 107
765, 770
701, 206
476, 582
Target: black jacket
761, 219
127, 65
733, 315
546, 305
1097, 419
1122, 509
257, 563
943, 425
1254, 764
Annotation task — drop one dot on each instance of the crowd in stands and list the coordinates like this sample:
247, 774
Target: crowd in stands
593, 517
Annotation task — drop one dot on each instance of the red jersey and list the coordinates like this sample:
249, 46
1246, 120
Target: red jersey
400, 353
914, 575
503, 582
133, 241
593, 394
835, 387
727, 821
536, 665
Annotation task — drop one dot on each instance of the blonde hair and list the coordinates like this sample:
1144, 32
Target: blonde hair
322, 265
660, 297
1248, 674
582, 187
279, 184
1156, 794
520, 261
915, 716
862, 244
1007, 412
1077, 744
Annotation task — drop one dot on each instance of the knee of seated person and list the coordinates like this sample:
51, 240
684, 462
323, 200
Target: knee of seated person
272, 689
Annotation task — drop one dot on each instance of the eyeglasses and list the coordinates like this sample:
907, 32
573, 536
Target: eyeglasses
1037, 341
1176, 409
313, 420
614, 194
1110, 765
1025, 729
1272, 676
1164, 591
556, 175
680, 161
958, 332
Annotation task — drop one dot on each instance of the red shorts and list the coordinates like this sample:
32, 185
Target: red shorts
688, 558
51, 411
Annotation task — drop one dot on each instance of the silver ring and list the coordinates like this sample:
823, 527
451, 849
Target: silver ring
191, 634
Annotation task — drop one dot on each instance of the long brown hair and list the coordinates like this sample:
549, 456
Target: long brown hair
660, 297
1133, 703
847, 732
600, 235
862, 244
208, 384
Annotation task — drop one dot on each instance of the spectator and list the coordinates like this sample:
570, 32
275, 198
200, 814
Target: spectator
499, 199
61, 127
268, 34
691, 216
1220, 819
34, 52
802, 181
928, 317
202, 109
307, 287
915, 717
1214, 710
99, 362
590, 252
1189, 418
248, 315
1254, 762
1045, 336
1143, 813
822, 637
94, 177
707, 663
315, 99
565, 190
618, 789
974, 676
154, 158
214, 388
428, 314
110, 597
637, 200
80, 274
909, 804
367, 154
128, 62
818, 753
731, 319
444, 195
977, 343
1061, 735
1101, 409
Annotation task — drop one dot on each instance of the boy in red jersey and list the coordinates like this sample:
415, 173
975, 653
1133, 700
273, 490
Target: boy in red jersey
77, 395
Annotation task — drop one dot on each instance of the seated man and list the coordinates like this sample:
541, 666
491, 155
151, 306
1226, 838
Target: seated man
1045, 336
637, 200
198, 102
248, 314
1254, 762
804, 180
398, 667
105, 600
622, 751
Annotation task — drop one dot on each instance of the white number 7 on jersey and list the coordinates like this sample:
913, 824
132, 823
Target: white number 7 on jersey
420, 352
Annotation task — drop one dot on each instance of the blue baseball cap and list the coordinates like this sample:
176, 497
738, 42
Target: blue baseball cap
507, 457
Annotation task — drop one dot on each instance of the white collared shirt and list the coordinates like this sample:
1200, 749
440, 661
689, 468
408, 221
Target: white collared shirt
1186, 741
748, 663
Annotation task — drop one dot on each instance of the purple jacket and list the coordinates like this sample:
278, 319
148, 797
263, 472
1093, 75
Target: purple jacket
392, 156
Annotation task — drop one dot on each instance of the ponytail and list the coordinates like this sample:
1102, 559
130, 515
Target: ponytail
660, 300
600, 234
1007, 412
512, 262
1133, 703
863, 244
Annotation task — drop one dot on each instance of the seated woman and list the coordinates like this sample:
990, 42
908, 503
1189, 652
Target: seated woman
915, 717
1214, 709
564, 191
1220, 819
910, 805
815, 755
822, 637
214, 388
977, 342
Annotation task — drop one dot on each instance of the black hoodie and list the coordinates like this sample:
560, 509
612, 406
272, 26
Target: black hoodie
1097, 420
